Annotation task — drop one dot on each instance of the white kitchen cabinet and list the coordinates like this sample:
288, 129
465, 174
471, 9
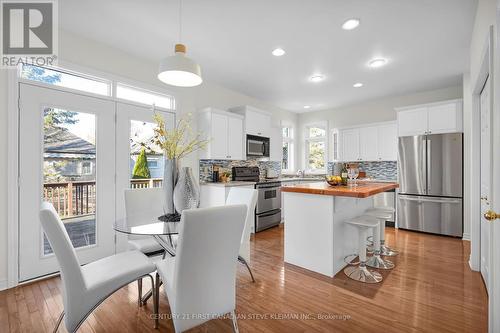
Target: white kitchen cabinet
445, 118
412, 122
376, 142
434, 118
224, 130
257, 122
235, 138
350, 144
368, 143
276, 142
387, 142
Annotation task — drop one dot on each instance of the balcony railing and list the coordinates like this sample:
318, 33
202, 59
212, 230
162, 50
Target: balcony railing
146, 183
78, 198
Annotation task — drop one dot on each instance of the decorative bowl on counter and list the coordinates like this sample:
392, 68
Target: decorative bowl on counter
334, 180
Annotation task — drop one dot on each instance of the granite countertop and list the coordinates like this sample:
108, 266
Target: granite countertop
363, 190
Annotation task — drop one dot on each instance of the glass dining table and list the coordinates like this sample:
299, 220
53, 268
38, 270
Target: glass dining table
161, 231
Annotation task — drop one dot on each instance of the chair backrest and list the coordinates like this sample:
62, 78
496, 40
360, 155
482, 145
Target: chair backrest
248, 197
205, 264
71, 273
143, 204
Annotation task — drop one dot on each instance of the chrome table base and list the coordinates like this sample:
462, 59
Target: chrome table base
362, 274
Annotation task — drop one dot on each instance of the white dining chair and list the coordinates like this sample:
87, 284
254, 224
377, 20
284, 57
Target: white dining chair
144, 204
85, 287
248, 197
200, 281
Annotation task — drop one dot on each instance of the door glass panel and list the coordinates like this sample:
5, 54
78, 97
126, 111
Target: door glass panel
146, 158
69, 170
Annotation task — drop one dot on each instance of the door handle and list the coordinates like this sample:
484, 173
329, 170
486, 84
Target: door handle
491, 215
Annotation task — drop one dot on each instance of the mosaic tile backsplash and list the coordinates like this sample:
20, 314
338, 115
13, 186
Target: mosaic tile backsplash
206, 167
385, 170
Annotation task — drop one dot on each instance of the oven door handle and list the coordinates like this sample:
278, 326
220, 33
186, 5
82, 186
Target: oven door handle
270, 213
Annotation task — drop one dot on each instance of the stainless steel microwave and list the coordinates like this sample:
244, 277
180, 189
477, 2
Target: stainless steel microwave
257, 146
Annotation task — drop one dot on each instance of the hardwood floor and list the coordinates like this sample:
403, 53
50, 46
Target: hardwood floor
431, 290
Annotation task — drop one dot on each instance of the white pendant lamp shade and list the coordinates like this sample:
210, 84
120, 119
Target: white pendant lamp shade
179, 70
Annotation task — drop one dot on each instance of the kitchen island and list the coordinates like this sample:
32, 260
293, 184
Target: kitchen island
316, 235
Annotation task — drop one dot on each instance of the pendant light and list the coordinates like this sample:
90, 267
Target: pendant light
179, 70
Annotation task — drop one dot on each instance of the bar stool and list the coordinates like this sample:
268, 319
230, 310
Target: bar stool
382, 214
358, 271
376, 261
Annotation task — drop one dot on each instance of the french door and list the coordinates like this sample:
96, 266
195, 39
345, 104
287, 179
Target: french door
134, 135
66, 157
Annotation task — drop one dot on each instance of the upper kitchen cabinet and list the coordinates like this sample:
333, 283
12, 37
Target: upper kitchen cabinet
350, 145
257, 122
387, 142
435, 118
376, 142
224, 130
368, 143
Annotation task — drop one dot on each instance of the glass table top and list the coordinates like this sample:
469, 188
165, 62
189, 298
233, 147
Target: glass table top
146, 226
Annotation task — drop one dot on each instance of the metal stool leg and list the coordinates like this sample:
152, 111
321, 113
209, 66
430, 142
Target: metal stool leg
376, 261
385, 250
361, 273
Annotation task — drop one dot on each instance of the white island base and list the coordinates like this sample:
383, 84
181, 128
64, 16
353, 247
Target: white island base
316, 235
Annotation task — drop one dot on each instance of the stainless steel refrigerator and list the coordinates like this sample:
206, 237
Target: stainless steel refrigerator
430, 169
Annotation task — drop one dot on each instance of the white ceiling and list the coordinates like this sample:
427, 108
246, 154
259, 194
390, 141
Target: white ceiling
425, 41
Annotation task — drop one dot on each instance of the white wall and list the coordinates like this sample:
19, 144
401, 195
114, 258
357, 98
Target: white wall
374, 111
83, 52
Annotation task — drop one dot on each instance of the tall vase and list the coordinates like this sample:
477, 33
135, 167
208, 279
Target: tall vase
169, 180
187, 191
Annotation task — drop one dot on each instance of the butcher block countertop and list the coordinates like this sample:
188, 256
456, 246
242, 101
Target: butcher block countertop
363, 190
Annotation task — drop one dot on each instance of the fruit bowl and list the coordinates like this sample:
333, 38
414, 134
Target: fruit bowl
333, 180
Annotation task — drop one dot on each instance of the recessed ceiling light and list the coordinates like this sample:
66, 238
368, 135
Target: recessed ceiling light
350, 24
307, 106
278, 52
378, 62
317, 78
357, 85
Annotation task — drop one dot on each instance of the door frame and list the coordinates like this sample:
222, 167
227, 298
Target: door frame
490, 67
13, 115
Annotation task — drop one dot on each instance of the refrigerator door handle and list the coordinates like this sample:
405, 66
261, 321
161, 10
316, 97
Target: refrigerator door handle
422, 199
424, 164
429, 165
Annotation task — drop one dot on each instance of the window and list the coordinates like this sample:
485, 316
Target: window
315, 148
86, 168
144, 96
153, 163
287, 161
66, 79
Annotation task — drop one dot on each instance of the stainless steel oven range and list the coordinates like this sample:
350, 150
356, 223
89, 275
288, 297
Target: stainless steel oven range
268, 209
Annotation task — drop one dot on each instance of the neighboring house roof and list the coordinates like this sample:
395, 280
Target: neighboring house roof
59, 142
147, 143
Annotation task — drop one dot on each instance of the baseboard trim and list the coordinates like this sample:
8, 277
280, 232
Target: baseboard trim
3, 284
466, 237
